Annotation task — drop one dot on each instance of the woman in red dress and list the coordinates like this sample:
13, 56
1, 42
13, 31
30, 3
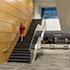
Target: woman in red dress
21, 30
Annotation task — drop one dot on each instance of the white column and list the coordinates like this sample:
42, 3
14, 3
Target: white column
37, 13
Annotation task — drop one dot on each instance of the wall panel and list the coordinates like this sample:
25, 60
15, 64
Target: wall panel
12, 13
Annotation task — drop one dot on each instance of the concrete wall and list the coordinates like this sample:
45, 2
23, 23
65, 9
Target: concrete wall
37, 13
38, 4
64, 13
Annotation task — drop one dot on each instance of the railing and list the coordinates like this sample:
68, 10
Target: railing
34, 47
31, 48
37, 48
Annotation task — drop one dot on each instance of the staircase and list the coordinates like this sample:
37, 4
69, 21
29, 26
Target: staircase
21, 52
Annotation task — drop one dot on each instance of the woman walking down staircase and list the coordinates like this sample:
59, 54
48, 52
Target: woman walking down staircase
21, 52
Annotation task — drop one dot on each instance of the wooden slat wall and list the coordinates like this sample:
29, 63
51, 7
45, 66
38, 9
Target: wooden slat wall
12, 13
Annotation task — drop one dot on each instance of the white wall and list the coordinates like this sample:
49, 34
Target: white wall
37, 13
53, 25
64, 13
40, 4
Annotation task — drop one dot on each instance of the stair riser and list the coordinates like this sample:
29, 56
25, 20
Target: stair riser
25, 58
20, 54
21, 49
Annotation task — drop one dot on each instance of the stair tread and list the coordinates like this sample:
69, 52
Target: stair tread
22, 46
21, 49
19, 57
19, 54
18, 60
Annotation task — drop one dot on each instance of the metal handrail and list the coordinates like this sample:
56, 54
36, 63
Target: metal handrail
37, 48
32, 39
31, 48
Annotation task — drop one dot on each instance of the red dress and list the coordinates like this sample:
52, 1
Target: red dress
21, 29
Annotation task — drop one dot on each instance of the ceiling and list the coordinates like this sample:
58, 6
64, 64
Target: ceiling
44, 3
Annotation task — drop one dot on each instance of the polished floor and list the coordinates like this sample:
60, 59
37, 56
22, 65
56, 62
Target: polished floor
48, 60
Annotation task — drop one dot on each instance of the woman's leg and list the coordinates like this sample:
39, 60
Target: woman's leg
21, 37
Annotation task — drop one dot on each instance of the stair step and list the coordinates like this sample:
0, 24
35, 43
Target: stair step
19, 54
20, 57
19, 46
19, 60
21, 49
25, 52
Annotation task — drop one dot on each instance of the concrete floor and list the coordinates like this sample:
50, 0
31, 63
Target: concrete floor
49, 60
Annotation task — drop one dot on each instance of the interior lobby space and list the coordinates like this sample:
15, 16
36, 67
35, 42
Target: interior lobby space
48, 60
34, 35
